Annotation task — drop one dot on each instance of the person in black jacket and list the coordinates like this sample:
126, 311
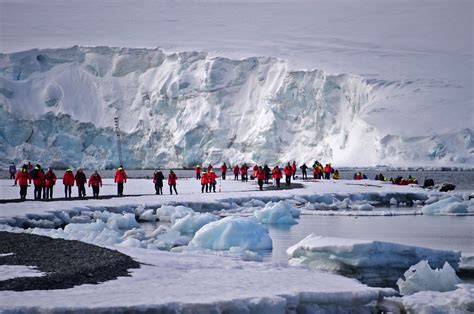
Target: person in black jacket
304, 174
158, 178
268, 173
81, 181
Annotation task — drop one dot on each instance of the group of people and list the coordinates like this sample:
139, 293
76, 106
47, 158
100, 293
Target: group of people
158, 179
44, 182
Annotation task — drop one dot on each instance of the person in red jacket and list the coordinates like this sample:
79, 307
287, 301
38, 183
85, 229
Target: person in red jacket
172, 178
37, 175
120, 179
198, 172
209, 168
288, 174
212, 181
236, 171
49, 182
327, 171
244, 172
254, 172
68, 181
96, 182
223, 170
276, 176
293, 169
260, 177
22, 178
205, 182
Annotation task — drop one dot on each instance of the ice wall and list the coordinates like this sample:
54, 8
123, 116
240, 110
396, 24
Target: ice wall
58, 106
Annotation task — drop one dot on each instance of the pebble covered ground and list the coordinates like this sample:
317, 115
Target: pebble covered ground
66, 263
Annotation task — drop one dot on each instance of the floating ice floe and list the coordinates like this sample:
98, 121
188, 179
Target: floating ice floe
277, 213
148, 215
421, 277
459, 301
172, 213
372, 262
191, 223
245, 233
449, 205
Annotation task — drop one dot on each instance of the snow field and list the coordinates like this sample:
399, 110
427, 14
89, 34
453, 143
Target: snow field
193, 229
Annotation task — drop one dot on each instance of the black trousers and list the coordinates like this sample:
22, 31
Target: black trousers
173, 186
81, 190
288, 180
95, 191
67, 189
223, 175
23, 190
48, 192
260, 184
294, 174
304, 174
159, 189
204, 187
38, 190
12, 176
120, 188
278, 182
198, 176
236, 176
327, 175
212, 187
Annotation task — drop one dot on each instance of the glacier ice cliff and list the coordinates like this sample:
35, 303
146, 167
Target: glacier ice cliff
57, 107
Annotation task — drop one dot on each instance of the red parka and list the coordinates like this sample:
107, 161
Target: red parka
260, 174
68, 178
224, 168
288, 171
22, 177
236, 170
172, 178
243, 170
204, 178
198, 169
293, 168
120, 176
212, 177
276, 173
50, 178
95, 180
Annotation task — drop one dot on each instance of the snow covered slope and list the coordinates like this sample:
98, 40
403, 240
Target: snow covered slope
410, 102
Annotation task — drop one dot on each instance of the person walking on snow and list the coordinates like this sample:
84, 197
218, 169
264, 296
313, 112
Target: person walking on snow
244, 172
38, 177
293, 169
68, 181
327, 171
212, 181
172, 178
22, 178
304, 173
276, 175
12, 170
268, 173
96, 182
158, 178
120, 178
236, 171
260, 177
223, 170
81, 182
205, 182
49, 182
288, 173
198, 172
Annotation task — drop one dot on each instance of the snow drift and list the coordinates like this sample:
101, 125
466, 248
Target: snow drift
57, 107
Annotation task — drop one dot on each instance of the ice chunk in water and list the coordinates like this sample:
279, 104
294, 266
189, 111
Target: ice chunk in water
223, 234
193, 222
277, 213
421, 277
452, 204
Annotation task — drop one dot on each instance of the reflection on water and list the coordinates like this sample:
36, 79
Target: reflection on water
437, 232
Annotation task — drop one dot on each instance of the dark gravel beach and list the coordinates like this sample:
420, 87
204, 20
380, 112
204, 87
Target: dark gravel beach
67, 263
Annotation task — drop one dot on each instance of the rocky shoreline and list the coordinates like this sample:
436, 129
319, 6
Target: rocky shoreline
66, 263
